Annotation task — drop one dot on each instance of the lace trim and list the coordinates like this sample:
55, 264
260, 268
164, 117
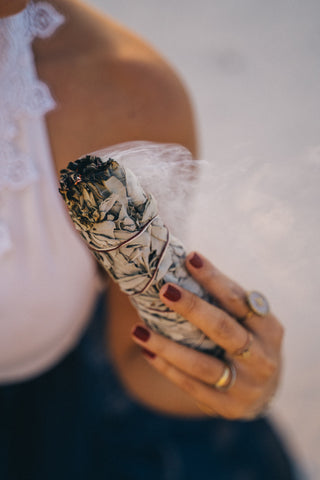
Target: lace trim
43, 20
23, 97
23, 94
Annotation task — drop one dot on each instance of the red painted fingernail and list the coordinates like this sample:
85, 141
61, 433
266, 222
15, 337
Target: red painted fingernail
147, 353
172, 293
196, 261
141, 333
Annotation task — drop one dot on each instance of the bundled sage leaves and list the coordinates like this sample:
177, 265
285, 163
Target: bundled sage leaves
122, 227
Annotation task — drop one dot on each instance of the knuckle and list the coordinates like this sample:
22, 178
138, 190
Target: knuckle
235, 296
190, 304
223, 325
187, 384
204, 370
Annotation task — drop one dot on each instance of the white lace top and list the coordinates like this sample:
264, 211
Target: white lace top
47, 277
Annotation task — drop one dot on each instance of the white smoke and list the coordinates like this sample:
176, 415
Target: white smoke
167, 171
258, 221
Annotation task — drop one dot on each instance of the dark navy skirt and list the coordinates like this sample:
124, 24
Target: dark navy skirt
75, 422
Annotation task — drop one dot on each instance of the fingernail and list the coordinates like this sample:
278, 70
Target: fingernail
147, 353
141, 333
172, 293
196, 261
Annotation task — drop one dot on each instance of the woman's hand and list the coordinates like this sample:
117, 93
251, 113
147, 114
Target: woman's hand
253, 346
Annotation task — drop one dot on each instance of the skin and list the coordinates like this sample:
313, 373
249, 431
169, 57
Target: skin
111, 87
11, 7
195, 373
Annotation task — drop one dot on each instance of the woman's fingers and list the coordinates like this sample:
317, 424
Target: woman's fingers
232, 297
217, 324
200, 392
206, 368
197, 373
252, 346
225, 331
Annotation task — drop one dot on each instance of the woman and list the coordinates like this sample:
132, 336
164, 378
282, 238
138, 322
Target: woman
67, 409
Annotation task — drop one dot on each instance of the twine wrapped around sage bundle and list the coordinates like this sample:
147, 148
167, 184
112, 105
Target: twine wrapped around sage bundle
122, 227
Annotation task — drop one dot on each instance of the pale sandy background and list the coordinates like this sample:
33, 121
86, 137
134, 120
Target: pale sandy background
253, 70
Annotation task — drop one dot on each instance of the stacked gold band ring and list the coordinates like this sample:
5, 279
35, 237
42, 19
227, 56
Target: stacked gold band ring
227, 378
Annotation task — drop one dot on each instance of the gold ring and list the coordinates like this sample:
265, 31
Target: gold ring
227, 378
244, 351
247, 317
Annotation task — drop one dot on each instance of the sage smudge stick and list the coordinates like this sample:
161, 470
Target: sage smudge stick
122, 227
